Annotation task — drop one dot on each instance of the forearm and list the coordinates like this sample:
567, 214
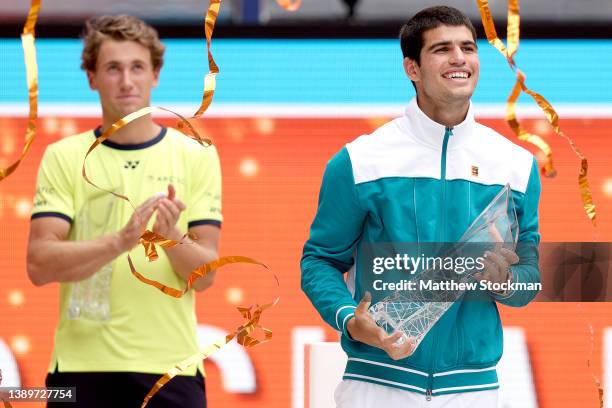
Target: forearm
186, 257
52, 260
325, 287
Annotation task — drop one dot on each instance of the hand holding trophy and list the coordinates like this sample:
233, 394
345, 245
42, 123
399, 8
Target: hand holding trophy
493, 234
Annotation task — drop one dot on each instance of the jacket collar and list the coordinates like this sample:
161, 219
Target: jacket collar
431, 133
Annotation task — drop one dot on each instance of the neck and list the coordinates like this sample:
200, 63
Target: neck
138, 131
445, 113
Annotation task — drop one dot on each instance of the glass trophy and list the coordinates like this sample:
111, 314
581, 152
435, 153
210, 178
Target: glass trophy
89, 298
414, 312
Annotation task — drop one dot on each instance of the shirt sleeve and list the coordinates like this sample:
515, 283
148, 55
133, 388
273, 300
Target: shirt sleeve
204, 206
527, 270
54, 196
328, 253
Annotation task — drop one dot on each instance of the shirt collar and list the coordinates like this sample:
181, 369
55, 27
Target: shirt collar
136, 146
424, 129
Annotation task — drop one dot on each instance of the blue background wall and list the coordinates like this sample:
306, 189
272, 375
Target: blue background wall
317, 71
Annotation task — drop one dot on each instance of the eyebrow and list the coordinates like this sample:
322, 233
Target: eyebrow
111, 62
441, 43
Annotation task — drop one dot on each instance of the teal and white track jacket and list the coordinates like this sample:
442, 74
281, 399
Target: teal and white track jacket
412, 181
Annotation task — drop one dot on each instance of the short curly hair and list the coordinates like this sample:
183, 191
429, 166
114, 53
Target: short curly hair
119, 28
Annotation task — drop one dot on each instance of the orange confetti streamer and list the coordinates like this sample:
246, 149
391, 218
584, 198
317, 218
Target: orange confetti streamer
513, 31
184, 125
150, 239
600, 390
197, 273
596, 380
290, 5
29, 54
210, 80
243, 337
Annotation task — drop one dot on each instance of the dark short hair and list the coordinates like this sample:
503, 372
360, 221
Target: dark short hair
411, 34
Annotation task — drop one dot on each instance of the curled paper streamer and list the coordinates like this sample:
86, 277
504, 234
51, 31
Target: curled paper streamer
124, 121
290, 5
184, 125
149, 239
596, 380
197, 273
210, 81
242, 334
29, 54
513, 32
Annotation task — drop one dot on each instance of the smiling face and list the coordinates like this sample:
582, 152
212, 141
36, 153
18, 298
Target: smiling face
124, 77
449, 67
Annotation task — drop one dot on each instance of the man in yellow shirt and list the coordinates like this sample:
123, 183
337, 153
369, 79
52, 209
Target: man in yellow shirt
116, 335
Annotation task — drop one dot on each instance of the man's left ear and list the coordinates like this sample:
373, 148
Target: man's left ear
156, 77
411, 68
91, 80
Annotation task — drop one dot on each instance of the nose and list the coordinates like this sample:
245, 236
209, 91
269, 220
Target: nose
457, 57
126, 79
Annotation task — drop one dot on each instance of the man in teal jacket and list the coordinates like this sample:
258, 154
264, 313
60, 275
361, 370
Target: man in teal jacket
423, 177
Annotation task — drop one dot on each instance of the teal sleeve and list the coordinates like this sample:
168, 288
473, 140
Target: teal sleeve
527, 270
334, 233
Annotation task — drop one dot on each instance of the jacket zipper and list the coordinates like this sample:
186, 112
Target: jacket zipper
448, 132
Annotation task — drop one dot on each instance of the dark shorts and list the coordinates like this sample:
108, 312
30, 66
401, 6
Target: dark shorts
127, 390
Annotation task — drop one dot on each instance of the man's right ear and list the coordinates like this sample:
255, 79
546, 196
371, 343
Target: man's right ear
412, 70
91, 80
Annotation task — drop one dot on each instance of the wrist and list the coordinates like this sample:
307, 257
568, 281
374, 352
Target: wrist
509, 280
119, 242
350, 327
174, 234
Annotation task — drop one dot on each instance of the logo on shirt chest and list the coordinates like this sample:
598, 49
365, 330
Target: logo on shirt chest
165, 179
474, 171
131, 164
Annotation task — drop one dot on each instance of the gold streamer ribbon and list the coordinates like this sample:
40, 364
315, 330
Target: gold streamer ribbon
210, 80
29, 54
197, 273
184, 125
600, 390
242, 334
513, 32
290, 5
126, 120
149, 239
596, 380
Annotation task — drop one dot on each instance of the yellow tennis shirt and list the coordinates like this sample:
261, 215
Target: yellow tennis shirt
148, 331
